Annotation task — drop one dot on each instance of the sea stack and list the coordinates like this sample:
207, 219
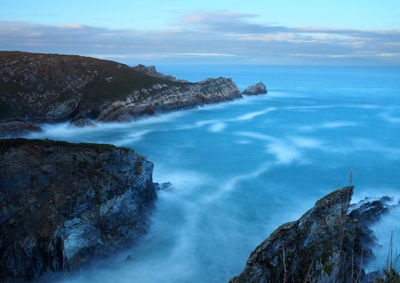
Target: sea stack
258, 88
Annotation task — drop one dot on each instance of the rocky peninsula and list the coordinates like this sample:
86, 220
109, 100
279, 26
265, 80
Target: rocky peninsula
50, 88
63, 204
332, 242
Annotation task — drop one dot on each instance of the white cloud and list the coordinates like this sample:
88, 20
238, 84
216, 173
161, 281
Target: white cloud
216, 37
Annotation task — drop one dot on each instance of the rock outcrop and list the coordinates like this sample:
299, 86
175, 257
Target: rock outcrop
151, 71
160, 98
48, 88
327, 244
258, 88
62, 204
82, 123
18, 127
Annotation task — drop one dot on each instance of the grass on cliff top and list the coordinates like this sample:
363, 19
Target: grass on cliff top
329, 196
124, 80
5, 144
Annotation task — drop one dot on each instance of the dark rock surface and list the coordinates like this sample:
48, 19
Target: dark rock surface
82, 123
327, 244
258, 88
52, 88
151, 71
17, 127
162, 98
62, 204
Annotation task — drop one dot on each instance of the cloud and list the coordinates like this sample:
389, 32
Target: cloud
217, 37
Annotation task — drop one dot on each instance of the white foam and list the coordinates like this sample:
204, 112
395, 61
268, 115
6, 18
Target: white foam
306, 143
256, 135
284, 152
251, 115
328, 125
132, 137
231, 184
217, 127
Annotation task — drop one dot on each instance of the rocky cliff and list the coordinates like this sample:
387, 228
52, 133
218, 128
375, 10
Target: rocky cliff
63, 203
40, 88
329, 243
151, 71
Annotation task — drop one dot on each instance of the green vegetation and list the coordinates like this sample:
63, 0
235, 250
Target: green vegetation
5, 144
327, 197
64, 77
390, 272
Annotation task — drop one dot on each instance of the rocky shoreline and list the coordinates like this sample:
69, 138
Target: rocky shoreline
51, 88
63, 204
332, 242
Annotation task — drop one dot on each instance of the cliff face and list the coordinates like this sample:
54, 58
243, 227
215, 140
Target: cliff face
325, 245
62, 203
50, 88
161, 97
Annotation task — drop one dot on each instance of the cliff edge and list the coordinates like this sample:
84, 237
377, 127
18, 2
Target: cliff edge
327, 244
47, 88
63, 203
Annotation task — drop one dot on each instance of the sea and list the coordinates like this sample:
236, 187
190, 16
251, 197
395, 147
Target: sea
240, 169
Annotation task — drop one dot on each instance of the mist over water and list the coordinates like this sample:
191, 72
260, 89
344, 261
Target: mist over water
240, 169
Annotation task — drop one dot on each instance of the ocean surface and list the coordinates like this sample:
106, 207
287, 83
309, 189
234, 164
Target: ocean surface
240, 169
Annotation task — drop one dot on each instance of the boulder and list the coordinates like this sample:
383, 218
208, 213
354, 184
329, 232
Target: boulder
258, 88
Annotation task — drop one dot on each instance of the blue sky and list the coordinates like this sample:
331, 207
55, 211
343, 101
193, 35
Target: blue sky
193, 32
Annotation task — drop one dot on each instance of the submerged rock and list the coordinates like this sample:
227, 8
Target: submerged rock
62, 204
258, 88
325, 245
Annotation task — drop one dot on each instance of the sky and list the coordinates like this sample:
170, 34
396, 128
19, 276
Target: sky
208, 32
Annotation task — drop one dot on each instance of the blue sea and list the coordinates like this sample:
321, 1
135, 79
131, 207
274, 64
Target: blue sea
240, 169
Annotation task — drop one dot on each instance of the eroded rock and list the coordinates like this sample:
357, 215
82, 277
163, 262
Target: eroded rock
63, 204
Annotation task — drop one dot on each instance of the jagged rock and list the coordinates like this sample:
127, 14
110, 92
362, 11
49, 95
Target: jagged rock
62, 204
15, 128
325, 245
83, 123
171, 98
258, 88
52, 88
151, 71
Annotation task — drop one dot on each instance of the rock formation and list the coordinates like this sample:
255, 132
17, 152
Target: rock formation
151, 71
18, 127
327, 244
48, 88
258, 88
62, 204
